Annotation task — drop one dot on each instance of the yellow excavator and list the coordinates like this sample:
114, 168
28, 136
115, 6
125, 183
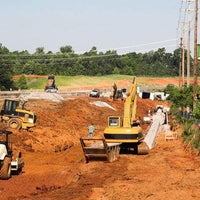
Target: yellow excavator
127, 130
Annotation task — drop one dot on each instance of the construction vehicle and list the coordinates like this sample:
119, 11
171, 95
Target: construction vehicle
8, 166
121, 94
95, 93
51, 86
15, 117
97, 148
127, 130
118, 93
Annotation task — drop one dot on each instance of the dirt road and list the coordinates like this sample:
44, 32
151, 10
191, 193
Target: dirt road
55, 167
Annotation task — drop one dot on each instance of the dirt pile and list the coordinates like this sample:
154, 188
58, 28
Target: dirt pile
60, 125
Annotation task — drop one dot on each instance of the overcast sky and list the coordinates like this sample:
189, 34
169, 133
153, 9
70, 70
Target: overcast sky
122, 25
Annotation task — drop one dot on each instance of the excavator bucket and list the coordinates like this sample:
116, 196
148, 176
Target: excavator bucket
143, 149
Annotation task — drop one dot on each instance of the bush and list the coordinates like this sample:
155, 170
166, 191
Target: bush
181, 99
22, 83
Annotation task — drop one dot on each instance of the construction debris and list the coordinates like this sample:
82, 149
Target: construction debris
44, 96
102, 104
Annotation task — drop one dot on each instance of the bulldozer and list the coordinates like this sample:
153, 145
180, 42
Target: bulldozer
8, 165
15, 117
51, 86
127, 130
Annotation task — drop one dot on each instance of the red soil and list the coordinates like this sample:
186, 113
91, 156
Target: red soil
55, 166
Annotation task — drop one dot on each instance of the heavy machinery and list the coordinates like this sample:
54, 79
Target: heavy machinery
51, 86
121, 94
96, 148
7, 164
15, 117
127, 130
117, 93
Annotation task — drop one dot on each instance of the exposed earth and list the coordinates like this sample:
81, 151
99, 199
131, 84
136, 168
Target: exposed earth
55, 166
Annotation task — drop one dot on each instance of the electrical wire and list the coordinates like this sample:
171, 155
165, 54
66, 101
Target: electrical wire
82, 56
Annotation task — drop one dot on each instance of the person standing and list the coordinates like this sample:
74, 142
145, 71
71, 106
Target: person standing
114, 91
91, 129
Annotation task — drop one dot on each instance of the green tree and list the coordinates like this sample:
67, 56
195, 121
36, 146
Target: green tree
196, 111
66, 49
128, 71
66, 62
6, 81
39, 51
22, 83
116, 70
6, 70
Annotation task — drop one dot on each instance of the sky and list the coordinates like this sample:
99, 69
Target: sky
121, 25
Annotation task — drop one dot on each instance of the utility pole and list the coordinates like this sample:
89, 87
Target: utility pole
180, 63
188, 47
195, 56
188, 57
183, 56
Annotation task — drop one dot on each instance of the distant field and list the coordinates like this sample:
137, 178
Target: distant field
70, 82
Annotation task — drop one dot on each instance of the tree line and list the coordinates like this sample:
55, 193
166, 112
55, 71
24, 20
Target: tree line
92, 63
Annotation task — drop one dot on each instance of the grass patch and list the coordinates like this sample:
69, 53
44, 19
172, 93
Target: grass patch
74, 81
78, 81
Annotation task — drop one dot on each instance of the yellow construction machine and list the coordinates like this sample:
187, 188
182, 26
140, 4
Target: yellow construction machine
15, 117
127, 130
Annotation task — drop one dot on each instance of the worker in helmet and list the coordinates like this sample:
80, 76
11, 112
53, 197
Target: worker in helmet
91, 129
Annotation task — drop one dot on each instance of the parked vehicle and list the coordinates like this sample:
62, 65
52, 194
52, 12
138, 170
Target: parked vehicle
95, 93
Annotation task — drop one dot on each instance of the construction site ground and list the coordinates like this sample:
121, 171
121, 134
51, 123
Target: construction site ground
55, 166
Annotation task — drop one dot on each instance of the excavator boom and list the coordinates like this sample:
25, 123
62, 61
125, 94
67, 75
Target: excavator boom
130, 106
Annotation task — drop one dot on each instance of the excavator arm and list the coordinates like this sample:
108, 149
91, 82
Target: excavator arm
130, 106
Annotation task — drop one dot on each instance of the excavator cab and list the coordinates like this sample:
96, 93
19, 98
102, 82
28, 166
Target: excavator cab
9, 107
114, 121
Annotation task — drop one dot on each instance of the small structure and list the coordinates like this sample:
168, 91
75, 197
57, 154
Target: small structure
98, 148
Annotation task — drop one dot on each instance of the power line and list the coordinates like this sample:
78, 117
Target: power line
38, 57
140, 45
